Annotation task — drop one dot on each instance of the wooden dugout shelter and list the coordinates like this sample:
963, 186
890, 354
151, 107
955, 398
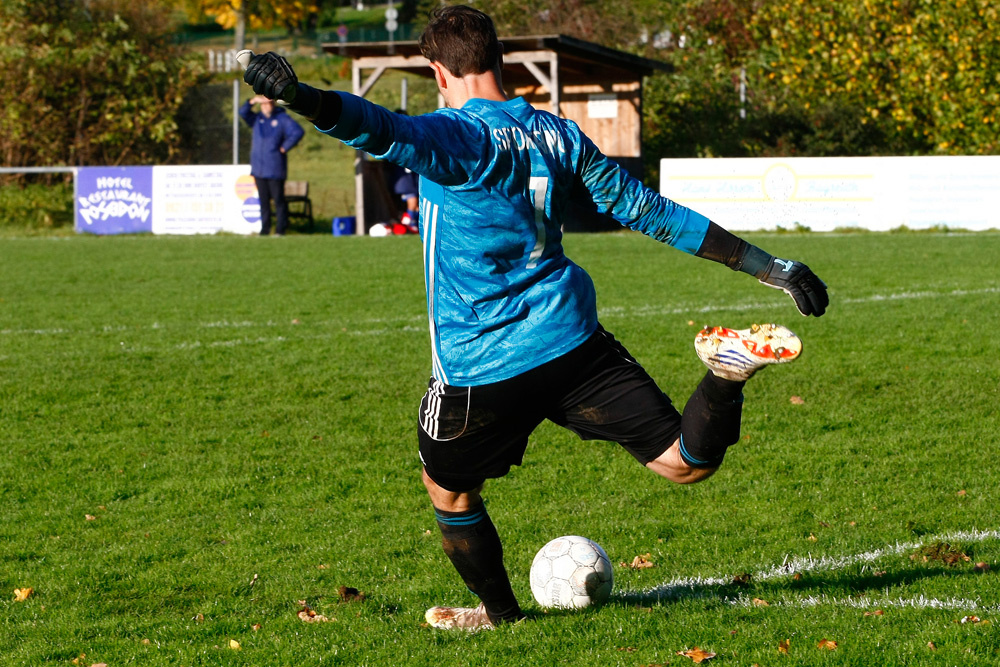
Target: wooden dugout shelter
598, 88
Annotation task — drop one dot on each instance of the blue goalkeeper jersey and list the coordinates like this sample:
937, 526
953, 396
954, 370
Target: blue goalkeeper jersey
496, 182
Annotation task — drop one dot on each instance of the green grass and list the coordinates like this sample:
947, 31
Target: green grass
234, 410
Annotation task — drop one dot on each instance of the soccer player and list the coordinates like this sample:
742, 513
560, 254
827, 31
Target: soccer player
513, 322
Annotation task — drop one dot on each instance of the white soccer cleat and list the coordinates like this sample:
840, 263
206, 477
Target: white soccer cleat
736, 354
471, 619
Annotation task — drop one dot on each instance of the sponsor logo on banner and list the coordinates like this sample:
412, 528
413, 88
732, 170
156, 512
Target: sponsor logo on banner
114, 200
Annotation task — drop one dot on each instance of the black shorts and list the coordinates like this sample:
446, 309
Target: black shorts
598, 391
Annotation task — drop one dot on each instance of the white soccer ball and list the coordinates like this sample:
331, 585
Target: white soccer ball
571, 572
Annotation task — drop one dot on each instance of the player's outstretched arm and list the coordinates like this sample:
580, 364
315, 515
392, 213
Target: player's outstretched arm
795, 278
272, 76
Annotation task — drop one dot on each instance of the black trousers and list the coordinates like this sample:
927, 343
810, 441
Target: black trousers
272, 189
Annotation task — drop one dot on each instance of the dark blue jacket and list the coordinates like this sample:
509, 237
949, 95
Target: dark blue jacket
270, 134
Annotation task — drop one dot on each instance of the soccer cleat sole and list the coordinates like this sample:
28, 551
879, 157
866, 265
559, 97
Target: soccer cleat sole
736, 354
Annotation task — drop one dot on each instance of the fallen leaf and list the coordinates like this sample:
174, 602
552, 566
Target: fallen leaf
200, 618
969, 619
696, 655
741, 580
627, 649
981, 567
296, 321
90, 517
348, 594
308, 615
640, 562
784, 645
797, 400
877, 612
812, 538
962, 492
99, 664
235, 645
322, 567
931, 646
797, 576
828, 644
22, 594
760, 603
146, 642
255, 627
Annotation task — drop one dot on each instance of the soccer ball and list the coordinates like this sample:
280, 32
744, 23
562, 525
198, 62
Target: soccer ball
571, 572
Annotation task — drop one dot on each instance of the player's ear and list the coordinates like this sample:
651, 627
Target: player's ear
439, 77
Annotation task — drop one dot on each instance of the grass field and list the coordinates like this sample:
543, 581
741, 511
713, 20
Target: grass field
199, 433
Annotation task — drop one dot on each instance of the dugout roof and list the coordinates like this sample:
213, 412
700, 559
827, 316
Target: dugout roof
578, 59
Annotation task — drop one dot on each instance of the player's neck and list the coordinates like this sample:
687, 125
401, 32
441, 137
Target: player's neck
459, 90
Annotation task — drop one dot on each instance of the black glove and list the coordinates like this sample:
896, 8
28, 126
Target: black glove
795, 278
270, 75
799, 282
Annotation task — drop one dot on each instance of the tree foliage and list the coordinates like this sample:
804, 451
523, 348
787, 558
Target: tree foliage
295, 15
925, 75
95, 83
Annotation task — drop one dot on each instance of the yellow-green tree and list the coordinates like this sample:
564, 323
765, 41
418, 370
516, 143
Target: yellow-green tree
99, 83
926, 75
238, 15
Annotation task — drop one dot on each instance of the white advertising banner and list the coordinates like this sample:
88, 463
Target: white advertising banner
205, 200
825, 194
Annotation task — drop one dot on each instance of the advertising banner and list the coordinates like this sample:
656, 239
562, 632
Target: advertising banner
167, 200
114, 200
205, 200
826, 194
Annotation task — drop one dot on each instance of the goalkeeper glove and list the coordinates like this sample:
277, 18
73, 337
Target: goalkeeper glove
799, 282
795, 278
272, 76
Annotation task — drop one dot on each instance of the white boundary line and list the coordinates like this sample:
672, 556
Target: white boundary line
612, 311
920, 602
697, 587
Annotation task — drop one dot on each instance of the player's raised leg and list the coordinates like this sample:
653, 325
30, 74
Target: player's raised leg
712, 416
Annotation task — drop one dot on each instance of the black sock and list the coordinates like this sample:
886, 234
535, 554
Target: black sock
472, 544
711, 421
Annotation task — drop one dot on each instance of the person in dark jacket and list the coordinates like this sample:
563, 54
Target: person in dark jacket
274, 134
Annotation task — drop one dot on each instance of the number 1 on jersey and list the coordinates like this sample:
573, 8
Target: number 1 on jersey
538, 185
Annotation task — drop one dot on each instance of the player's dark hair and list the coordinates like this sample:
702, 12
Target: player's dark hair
462, 39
